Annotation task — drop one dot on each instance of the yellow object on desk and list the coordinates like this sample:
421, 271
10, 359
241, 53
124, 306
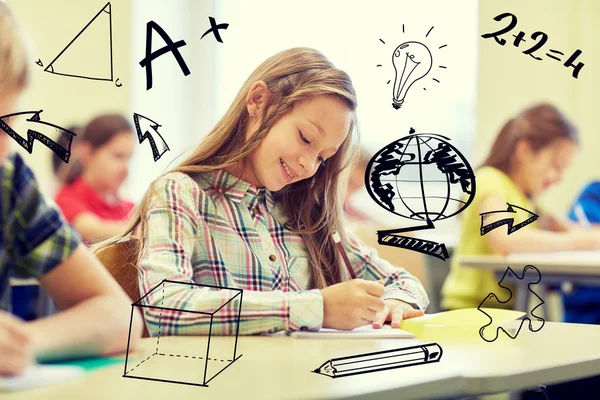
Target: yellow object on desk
457, 324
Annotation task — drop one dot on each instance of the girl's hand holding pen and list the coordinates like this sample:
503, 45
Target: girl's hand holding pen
357, 302
353, 303
16, 346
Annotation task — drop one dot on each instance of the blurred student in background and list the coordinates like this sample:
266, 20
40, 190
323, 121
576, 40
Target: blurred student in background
89, 199
582, 303
530, 154
36, 242
356, 183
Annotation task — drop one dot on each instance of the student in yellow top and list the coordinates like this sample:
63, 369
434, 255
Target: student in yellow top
529, 155
37, 242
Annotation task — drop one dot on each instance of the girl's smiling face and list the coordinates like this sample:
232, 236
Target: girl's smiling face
300, 142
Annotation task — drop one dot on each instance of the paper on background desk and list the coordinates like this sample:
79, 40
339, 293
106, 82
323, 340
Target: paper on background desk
39, 375
362, 332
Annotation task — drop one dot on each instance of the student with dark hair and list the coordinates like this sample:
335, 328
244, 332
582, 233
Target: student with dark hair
529, 155
89, 199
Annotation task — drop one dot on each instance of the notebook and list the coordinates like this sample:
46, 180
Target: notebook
457, 324
39, 375
362, 332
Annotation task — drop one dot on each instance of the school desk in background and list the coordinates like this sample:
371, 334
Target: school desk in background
578, 267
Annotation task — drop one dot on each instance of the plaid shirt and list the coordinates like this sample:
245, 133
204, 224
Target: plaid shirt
220, 231
34, 237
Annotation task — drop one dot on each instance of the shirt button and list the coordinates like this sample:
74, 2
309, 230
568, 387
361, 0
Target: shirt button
272, 257
256, 209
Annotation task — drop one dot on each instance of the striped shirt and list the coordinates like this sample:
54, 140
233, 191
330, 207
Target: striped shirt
216, 230
34, 236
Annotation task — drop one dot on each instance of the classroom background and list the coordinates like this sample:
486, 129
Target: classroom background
482, 86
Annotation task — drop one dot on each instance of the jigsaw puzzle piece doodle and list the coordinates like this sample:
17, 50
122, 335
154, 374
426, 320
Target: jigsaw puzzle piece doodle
533, 277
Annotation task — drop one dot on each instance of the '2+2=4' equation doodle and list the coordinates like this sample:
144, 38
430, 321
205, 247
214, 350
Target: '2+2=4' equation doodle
540, 39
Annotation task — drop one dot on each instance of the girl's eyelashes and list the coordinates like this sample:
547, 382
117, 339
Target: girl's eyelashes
305, 140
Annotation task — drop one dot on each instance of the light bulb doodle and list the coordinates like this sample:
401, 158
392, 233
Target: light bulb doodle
412, 61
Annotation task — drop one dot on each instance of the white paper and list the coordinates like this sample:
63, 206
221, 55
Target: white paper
363, 332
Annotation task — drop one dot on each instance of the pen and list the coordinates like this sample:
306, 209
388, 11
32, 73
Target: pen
381, 360
580, 215
338, 242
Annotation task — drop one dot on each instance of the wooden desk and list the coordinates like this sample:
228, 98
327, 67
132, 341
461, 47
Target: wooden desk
280, 368
581, 267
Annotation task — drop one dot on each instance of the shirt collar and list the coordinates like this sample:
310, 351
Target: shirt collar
237, 189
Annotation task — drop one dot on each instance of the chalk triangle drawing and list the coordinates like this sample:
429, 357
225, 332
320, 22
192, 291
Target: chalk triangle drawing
89, 55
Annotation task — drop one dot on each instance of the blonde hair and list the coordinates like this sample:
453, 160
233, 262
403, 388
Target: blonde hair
291, 76
14, 53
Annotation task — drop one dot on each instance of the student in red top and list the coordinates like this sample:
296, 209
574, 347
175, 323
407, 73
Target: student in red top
89, 199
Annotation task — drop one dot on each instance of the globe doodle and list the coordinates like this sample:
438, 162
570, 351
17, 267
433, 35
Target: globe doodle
404, 178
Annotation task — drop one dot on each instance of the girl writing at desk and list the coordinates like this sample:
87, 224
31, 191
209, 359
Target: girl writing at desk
254, 207
530, 154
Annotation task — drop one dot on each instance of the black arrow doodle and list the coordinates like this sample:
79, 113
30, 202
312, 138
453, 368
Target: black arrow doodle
513, 332
508, 221
391, 238
33, 134
147, 132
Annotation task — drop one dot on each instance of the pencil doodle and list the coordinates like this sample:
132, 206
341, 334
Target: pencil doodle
148, 129
539, 39
511, 226
412, 61
381, 360
196, 370
68, 61
214, 28
513, 332
170, 47
407, 162
38, 130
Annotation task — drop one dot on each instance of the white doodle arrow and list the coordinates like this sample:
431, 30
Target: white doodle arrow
148, 129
